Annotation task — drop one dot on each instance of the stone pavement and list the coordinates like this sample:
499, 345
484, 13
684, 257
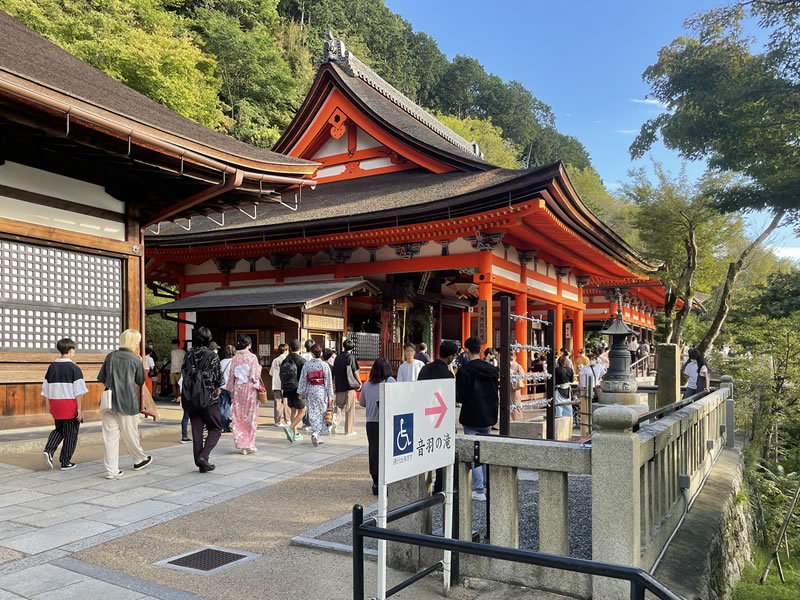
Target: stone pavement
46, 516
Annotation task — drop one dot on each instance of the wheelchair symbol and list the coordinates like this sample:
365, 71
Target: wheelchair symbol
402, 440
403, 434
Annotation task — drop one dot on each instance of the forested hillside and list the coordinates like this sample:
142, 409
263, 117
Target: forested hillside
244, 66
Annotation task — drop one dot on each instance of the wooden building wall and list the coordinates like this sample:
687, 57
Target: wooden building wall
21, 373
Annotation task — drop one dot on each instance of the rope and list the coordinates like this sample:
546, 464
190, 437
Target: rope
534, 403
514, 317
531, 376
516, 347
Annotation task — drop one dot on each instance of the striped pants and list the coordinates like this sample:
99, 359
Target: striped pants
66, 431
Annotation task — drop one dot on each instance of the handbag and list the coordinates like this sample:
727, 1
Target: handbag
353, 382
262, 392
329, 417
105, 401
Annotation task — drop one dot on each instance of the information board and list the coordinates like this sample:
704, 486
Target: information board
419, 425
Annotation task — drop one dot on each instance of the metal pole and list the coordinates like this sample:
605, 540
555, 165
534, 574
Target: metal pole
456, 526
550, 340
505, 365
383, 501
358, 553
448, 525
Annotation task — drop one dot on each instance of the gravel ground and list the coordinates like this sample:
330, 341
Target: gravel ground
580, 518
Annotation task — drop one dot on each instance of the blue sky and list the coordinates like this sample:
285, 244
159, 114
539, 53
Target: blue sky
584, 58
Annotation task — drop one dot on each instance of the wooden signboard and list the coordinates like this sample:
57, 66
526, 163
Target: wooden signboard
483, 310
323, 322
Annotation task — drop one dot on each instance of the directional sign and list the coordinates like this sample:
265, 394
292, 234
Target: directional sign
418, 427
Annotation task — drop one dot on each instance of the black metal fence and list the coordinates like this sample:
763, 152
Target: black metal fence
640, 580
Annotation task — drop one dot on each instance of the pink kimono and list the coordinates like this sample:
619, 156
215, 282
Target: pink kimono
243, 383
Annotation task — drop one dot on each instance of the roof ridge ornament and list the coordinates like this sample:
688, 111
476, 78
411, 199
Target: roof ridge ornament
335, 51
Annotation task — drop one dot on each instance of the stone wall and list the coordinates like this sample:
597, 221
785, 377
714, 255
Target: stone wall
709, 551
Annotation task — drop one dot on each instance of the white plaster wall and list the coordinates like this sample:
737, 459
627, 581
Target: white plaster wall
540, 285
194, 288
297, 261
541, 266
201, 269
460, 246
241, 266
365, 140
512, 256
501, 272
330, 171
386, 253
430, 249
360, 255
49, 184
569, 295
251, 282
332, 147
321, 259
375, 163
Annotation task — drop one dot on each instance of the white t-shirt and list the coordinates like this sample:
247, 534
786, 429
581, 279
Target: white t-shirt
225, 367
176, 360
596, 370
149, 363
275, 371
633, 346
409, 371
692, 374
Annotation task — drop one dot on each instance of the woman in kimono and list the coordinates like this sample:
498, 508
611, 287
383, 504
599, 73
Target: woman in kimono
516, 388
243, 383
316, 388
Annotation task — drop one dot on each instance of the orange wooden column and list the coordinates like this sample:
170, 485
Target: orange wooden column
521, 326
466, 318
485, 292
559, 325
577, 332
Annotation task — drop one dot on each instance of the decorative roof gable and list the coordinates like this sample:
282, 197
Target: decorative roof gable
336, 52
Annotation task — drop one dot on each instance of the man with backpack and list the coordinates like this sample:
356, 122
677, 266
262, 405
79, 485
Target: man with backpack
202, 380
347, 383
289, 373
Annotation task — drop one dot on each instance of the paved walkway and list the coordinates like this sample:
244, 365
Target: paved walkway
46, 516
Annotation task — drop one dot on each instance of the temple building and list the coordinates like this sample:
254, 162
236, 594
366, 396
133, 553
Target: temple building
86, 164
409, 235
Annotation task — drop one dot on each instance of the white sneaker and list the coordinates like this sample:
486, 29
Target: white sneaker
48, 460
112, 476
479, 496
332, 428
253, 450
280, 425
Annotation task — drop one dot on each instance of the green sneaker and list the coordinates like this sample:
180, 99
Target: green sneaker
298, 436
289, 434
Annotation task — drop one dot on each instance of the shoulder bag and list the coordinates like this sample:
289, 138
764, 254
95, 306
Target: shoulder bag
353, 382
261, 392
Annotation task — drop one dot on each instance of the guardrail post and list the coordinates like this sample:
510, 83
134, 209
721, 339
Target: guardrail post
616, 517
726, 381
668, 376
358, 553
553, 517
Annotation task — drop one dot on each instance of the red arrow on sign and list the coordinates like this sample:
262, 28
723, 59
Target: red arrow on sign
437, 410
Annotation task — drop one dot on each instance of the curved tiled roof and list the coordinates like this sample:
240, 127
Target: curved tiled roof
41, 65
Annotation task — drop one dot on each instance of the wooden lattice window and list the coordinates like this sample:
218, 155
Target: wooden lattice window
50, 293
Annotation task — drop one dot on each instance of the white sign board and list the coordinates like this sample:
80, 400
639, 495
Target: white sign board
418, 427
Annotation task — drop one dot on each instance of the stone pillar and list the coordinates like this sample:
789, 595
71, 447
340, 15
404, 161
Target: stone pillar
553, 519
668, 378
404, 556
730, 416
616, 518
521, 326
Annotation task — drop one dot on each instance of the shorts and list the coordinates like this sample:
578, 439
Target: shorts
293, 401
174, 378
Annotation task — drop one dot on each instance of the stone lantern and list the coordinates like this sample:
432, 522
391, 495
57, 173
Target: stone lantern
619, 384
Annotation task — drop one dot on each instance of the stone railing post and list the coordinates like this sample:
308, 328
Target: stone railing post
668, 376
726, 381
616, 517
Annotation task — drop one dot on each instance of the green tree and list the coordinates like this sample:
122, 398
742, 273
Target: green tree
136, 42
736, 107
496, 149
257, 84
679, 226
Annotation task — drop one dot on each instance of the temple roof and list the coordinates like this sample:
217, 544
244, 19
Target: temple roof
386, 105
33, 62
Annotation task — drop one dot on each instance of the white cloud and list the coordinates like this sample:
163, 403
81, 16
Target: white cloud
650, 101
792, 253
627, 131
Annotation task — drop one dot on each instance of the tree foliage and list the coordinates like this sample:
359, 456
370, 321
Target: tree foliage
734, 105
496, 149
614, 211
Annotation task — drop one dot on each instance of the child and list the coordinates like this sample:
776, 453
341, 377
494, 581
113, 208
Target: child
64, 387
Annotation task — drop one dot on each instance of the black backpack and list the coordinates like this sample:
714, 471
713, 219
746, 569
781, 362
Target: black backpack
195, 389
289, 374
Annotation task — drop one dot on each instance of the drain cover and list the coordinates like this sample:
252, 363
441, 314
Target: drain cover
207, 561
